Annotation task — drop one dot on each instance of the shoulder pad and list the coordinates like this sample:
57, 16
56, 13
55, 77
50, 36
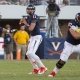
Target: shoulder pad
34, 16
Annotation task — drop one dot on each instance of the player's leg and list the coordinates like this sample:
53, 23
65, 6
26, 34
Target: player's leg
35, 69
39, 64
36, 41
77, 48
58, 66
38, 61
68, 49
30, 55
29, 52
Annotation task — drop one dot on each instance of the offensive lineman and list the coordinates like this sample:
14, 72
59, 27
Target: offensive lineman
32, 23
72, 44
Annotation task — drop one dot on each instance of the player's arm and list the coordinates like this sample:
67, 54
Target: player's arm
72, 30
74, 33
32, 25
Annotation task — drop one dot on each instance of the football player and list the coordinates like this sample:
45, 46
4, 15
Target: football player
72, 44
32, 23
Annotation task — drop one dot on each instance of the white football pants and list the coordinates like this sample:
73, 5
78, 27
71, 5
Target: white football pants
68, 50
33, 45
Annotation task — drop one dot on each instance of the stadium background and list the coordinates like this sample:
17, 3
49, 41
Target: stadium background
40, 52
63, 21
18, 70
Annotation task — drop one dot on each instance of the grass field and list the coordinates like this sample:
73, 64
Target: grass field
18, 70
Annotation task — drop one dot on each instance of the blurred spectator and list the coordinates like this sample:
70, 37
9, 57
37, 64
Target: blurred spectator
4, 2
24, 2
32, 1
44, 2
21, 38
52, 23
8, 42
38, 2
66, 2
17, 3
62, 3
1, 29
35, 2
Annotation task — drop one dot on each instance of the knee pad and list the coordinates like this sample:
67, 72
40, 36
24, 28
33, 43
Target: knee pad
60, 64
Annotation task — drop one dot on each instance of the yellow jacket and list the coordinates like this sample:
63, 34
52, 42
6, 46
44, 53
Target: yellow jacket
21, 37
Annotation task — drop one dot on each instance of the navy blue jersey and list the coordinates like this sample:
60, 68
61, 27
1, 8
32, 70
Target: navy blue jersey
74, 25
34, 18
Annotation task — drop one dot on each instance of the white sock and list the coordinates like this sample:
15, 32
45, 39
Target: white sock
37, 59
56, 70
33, 62
39, 63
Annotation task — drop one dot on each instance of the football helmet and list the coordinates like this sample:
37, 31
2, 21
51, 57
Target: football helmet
77, 18
30, 9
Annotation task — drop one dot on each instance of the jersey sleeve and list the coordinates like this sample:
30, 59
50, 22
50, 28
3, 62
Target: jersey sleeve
35, 19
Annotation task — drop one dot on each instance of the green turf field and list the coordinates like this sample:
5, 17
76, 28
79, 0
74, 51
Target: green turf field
18, 70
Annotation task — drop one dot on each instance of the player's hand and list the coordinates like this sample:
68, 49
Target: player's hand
23, 21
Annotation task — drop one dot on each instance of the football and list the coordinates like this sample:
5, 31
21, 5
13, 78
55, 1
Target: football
77, 30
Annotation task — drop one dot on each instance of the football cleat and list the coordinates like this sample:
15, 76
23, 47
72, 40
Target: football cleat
35, 71
52, 74
42, 70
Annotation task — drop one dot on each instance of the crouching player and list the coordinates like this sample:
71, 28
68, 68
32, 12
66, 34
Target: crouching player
32, 23
72, 44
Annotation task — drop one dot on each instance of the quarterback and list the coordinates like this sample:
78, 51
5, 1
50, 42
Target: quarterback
31, 21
